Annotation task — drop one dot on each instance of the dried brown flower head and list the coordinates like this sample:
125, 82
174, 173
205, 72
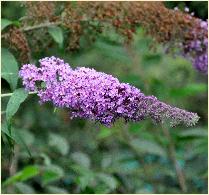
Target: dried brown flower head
161, 23
18, 41
40, 9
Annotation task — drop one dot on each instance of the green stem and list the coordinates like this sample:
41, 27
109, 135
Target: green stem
127, 139
43, 25
172, 153
10, 94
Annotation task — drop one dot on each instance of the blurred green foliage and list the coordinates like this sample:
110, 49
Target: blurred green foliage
46, 152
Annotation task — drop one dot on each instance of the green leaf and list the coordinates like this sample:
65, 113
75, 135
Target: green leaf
20, 136
84, 181
56, 190
26, 136
21, 142
5, 130
23, 138
59, 143
133, 79
112, 52
16, 99
189, 90
9, 69
46, 159
51, 173
81, 159
24, 188
104, 133
149, 59
125, 167
149, 147
85, 178
194, 133
8, 135
16, 23
57, 34
144, 191
109, 180
5, 23
136, 127
27, 173
80, 169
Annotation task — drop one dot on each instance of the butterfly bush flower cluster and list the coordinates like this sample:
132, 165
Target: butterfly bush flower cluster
95, 95
196, 49
171, 27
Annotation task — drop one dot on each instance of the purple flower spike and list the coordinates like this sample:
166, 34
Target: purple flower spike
97, 96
